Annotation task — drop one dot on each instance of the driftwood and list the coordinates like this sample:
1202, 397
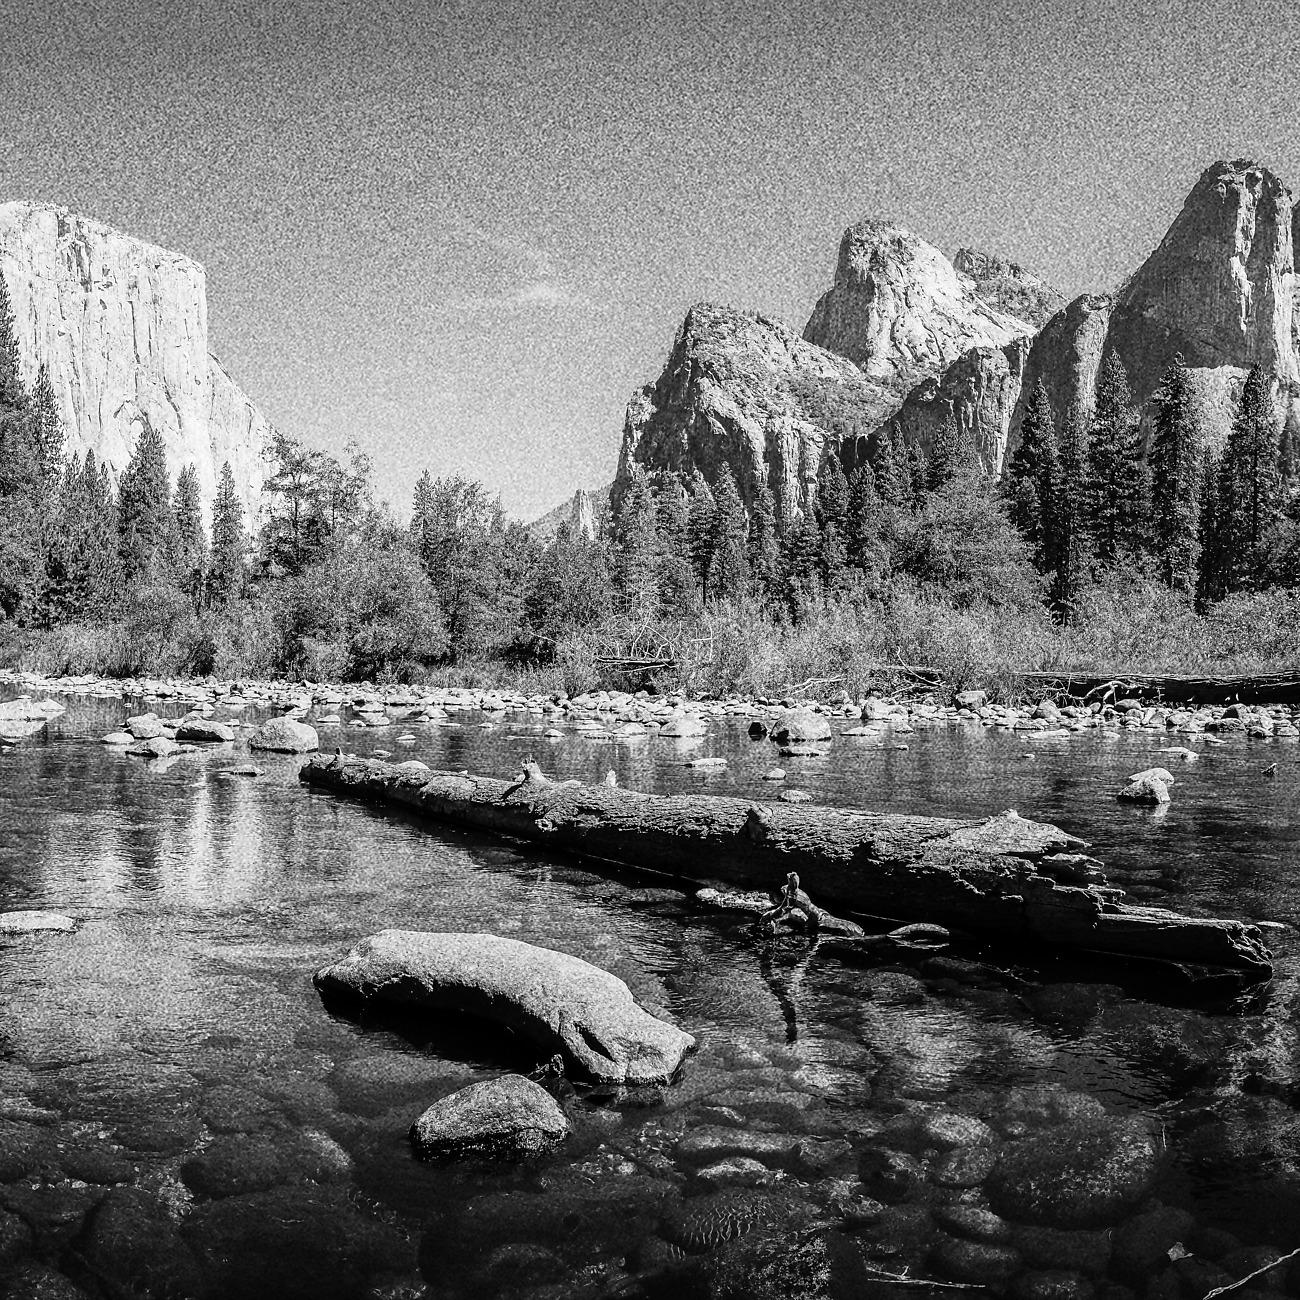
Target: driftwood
991, 878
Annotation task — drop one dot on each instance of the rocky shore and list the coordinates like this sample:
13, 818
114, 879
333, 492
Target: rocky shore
672, 715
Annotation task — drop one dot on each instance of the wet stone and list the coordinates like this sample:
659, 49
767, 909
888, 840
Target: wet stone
236, 1163
54, 1211
227, 1109
1075, 1175
39, 1282
20, 1150
964, 1167
301, 1243
961, 1260
738, 1171
973, 1222
772, 1268
132, 1247
701, 1223
891, 1176
1052, 1284
1047, 1248
946, 1130
15, 1239
1141, 1244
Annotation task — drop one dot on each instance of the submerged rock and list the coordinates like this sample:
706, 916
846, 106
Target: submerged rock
559, 1002
285, 736
509, 1117
155, 747
1075, 1175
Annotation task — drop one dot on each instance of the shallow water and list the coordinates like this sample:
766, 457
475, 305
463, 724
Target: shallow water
175, 1042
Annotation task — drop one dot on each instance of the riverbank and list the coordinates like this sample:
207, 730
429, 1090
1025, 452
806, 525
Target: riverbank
673, 715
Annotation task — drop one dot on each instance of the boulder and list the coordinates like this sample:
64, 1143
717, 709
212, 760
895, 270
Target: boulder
204, 732
801, 726
145, 726
118, 738
970, 699
29, 710
285, 736
557, 1001
684, 724
1145, 788
510, 1117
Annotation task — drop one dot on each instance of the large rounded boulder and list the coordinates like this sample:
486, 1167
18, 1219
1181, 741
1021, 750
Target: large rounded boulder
801, 726
285, 736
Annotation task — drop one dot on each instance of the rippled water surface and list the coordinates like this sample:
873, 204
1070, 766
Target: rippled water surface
180, 1115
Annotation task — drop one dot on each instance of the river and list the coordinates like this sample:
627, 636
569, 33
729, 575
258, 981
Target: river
180, 1115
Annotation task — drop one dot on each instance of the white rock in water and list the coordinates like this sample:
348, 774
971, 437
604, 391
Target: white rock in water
123, 327
30, 922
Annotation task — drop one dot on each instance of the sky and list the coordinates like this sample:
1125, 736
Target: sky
463, 233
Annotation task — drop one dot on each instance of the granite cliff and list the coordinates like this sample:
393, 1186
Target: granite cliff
122, 326
930, 340
581, 512
744, 390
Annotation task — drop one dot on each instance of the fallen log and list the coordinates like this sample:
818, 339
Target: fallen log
992, 878
1270, 688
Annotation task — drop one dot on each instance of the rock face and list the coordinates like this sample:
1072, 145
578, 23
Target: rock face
743, 390
510, 1117
1220, 289
122, 326
1008, 287
581, 513
899, 310
979, 390
559, 1002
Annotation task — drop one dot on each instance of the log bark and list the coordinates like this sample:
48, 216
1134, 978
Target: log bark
992, 877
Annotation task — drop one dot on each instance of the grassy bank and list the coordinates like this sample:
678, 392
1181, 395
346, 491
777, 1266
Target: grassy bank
1130, 626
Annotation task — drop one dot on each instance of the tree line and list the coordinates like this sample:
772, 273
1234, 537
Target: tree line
327, 583
1099, 496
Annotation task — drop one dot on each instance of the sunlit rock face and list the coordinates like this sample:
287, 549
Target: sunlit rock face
1008, 287
122, 326
581, 514
743, 390
899, 310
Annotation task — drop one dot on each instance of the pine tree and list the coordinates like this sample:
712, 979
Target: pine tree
700, 521
952, 455
21, 558
189, 540
763, 548
916, 476
802, 557
1242, 513
885, 464
1117, 491
729, 569
13, 392
1176, 479
634, 548
865, 531
1031, 480
144, 509
1070, 522
831, 508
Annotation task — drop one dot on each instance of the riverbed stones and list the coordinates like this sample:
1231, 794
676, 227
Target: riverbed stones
702, 1223
559, 1002
1075, 1175
131, 1246
961, 1260
1142, 1244
39, 1282
801, 727
237, 1163
508, 1118
285, 736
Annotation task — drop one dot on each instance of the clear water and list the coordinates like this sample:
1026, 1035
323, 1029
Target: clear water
182, 1012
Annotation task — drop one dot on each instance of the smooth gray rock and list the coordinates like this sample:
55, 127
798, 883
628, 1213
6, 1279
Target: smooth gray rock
510, 1118
145, 726
155, 747
204, 732
285, 736
800, 726
559, 1002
